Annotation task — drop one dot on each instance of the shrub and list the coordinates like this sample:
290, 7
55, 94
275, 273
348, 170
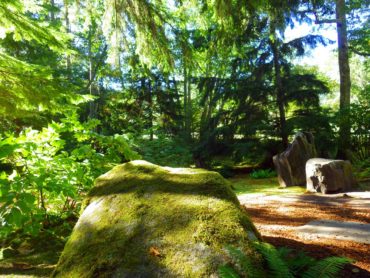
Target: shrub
262, 174
164, 151
50, 169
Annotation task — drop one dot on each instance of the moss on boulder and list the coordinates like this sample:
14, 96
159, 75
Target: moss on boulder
142, 220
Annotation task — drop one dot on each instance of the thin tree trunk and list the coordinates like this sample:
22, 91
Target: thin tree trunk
186, 104
150, 111
189, 116
52, 15
68, 30
92, 112
278, 85
345, 80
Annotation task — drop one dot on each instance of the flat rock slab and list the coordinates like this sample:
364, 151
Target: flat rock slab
352, 231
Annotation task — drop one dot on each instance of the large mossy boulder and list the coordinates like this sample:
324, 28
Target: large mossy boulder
142, 220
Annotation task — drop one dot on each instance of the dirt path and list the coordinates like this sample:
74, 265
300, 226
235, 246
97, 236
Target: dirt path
278, 216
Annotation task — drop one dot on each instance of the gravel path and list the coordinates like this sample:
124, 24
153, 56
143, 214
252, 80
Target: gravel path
278, 217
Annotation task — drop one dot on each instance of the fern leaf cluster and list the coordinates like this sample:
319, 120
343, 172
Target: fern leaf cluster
275, 261
328, 268
281, 264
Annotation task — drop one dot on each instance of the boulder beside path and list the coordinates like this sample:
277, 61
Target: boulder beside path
143, 220
290, 164
328, 175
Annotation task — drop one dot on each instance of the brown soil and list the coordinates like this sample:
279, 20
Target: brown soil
275, 220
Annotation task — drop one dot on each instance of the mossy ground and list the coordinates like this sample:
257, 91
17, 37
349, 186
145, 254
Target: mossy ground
269, 186
168, 222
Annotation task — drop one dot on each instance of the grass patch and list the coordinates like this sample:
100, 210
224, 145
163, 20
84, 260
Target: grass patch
268, 186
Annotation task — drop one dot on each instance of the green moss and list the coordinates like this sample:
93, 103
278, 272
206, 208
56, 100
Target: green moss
268, 186
187, 215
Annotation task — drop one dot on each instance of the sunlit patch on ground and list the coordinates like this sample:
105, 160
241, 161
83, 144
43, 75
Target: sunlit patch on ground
277, 217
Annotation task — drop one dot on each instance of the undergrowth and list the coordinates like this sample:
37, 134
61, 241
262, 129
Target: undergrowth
262, 174
281, 262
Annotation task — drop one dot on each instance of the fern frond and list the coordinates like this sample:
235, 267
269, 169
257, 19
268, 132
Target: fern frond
284, 252
326, 268
227, 272
243, 261
276, 264
299, 262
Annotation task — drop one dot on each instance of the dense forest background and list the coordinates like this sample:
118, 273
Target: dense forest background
85, 85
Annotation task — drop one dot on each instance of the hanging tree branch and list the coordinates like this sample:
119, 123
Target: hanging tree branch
319, 20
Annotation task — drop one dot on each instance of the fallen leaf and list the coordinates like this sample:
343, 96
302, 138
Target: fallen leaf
154, 251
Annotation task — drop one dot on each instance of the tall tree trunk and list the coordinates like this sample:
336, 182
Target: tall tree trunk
187, 104
190, 110
345, 80
93, 104
52, 7
68, 30
278, 85
150, 110
185, 99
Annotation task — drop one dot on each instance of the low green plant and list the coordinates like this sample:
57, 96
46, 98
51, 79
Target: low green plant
241, 264
362, 168
48, 171
281, 263
262, 174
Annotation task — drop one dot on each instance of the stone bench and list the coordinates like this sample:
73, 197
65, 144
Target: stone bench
328, 175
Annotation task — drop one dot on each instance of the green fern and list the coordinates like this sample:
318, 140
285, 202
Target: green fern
243, 261
284, 252
326, 268
226, 271
281, 263
276, 264
297, 263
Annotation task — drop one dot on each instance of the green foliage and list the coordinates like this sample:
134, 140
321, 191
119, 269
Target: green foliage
227, 272
282, 263
360, 117
13, 20
51, 168
27, 88
262, 174
275, 262
147, 20
297, 262
243, 263
165, 151
328, 268
362, 168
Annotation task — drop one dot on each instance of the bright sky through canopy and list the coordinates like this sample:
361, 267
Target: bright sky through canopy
323, 57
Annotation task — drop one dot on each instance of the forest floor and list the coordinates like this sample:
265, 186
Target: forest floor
276, 213
277, 217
